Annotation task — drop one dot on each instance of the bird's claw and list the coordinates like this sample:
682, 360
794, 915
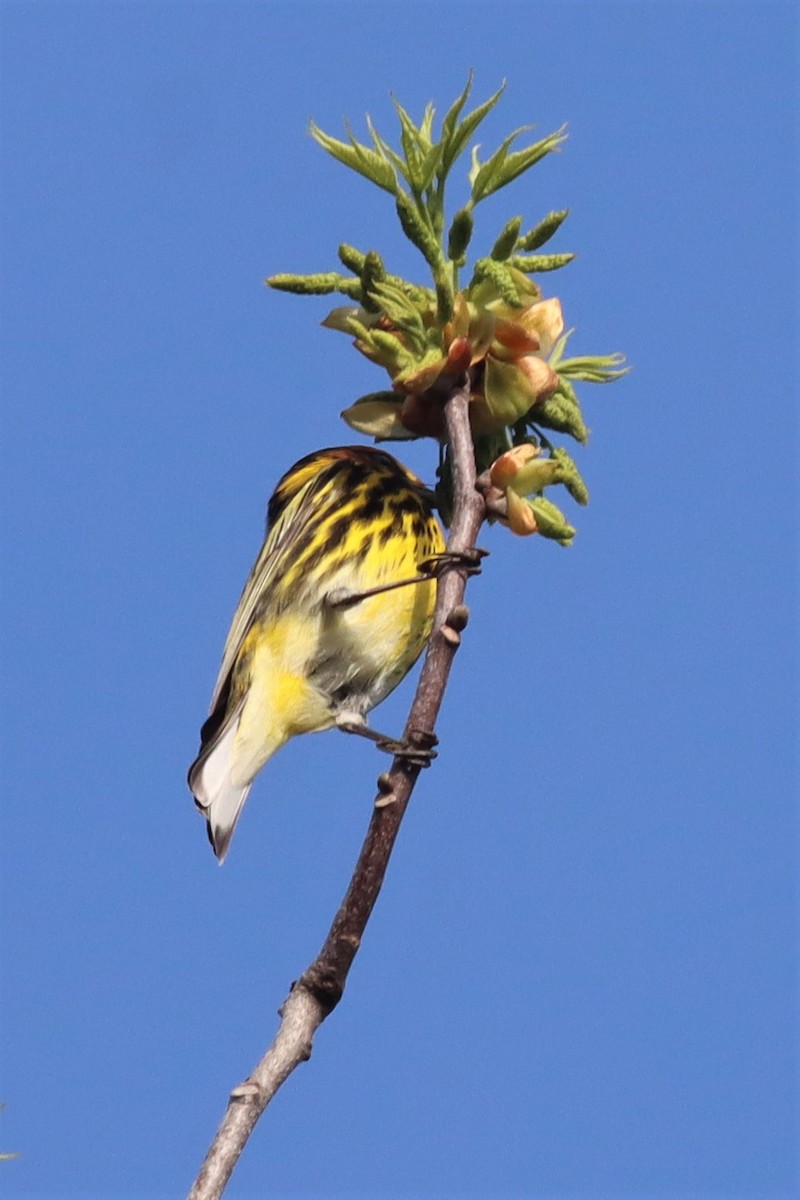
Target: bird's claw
468, 560
417, 749
415, 756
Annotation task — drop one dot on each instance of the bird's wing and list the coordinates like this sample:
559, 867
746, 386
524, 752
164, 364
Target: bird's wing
273, 559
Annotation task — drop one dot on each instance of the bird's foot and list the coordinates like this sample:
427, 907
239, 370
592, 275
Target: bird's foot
417, 749
468, 560
430, 568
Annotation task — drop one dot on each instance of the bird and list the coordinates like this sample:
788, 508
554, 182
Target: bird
335, 612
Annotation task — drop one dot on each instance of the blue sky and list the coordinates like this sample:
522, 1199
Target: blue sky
581, 977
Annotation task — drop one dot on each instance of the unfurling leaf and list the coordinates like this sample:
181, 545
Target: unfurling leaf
378, 416
507, 466
505, 166
455, 136
508, 391
366, 162
598, 368
497, 335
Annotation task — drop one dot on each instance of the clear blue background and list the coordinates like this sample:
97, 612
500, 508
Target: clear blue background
580, 980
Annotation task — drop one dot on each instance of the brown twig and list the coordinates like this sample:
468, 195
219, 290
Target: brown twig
319, 989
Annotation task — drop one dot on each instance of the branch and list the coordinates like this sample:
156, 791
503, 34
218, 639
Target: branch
317, 992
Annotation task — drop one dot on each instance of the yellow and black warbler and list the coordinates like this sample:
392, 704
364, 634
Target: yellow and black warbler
324, 629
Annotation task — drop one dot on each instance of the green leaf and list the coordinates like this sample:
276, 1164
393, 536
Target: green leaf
429, 166
542, 232
426, 125
506, 240
374, 164
412, 147
474, 166
412, 132
450, 122
484, 179
508, 392
557, 352
521, 160
366, 162
534, 476
385, 150
503, 167
455, 139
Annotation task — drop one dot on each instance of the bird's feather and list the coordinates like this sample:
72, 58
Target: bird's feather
220, 800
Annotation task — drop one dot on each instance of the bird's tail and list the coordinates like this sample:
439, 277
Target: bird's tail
221, 777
